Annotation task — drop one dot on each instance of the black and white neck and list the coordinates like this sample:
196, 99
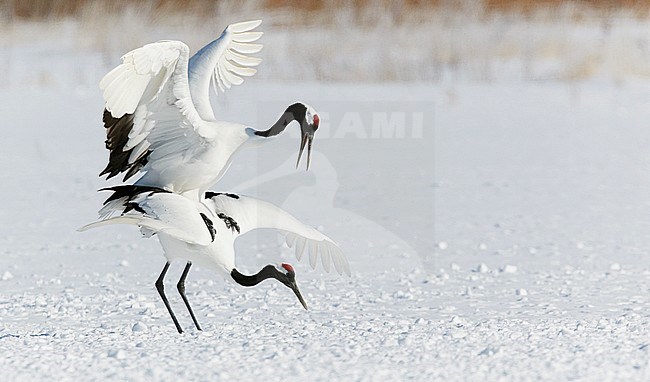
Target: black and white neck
268, 272
284, 274
299, 112
305, 116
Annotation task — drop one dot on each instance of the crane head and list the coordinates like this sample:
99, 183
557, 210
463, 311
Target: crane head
308, 127
309, 122
289, 279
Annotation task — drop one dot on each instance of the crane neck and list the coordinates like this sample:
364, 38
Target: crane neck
278, 127
267, 272
295, 112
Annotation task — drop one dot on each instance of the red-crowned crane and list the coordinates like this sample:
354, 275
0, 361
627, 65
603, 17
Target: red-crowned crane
159, 120
204, 233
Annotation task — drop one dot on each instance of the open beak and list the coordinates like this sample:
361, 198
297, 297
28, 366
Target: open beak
307, 139
294, 288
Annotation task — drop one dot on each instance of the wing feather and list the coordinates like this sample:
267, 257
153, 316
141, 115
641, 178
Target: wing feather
147, 92
138, 151
226, 79
300, 248
156, 210
291, 239
217, 82
246, 48
340, 261
240, 70
242, 60
223, 62
159, 210
245, 26
111, 76
251, 213
160, 84
313, 254
230, 77
247, 36
324, 251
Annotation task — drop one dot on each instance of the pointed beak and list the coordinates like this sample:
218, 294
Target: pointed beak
307, 139
294, 288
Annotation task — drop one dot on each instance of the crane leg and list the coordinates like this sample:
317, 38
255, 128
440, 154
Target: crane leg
181, 290
161, 290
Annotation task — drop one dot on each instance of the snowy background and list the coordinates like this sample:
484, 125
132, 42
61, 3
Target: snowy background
486, 171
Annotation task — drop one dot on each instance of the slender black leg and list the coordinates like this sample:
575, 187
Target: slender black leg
181, 290
161, 290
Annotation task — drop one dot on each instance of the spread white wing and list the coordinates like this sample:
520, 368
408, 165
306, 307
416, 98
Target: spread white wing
224, 62
251, 213
158, 211
157, 101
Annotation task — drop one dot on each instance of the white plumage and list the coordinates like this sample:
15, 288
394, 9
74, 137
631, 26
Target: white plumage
159, 121
204, 233
158, 114
251, 213
163, 213
183, 234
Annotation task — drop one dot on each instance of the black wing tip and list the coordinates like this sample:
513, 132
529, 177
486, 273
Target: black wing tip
111, 173
117, 136
210, 225
130, 191
212, 194
133, 206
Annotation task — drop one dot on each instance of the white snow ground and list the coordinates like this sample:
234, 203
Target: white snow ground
508, 240
539, 271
